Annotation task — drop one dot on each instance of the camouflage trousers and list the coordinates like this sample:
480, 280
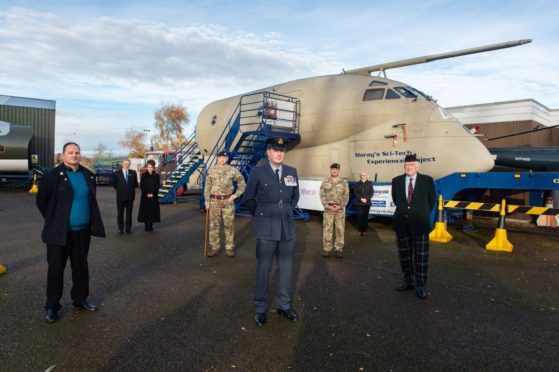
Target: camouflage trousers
222, 210
333, 221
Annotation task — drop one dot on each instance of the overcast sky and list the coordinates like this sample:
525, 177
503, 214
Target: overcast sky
110, 64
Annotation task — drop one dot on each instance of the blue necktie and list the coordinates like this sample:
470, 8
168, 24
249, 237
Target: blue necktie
126, 176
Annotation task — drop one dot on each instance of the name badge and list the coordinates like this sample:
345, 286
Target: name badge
290, 181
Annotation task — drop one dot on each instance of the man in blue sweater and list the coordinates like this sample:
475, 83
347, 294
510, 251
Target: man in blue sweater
66, 199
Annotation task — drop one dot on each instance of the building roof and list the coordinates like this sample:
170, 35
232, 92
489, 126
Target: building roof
497, 112
27, 102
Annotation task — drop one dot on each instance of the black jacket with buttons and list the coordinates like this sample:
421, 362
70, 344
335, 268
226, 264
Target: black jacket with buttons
271, 202
414, 218
54, 200
363, 190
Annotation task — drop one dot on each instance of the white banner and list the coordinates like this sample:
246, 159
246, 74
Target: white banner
309, 195
381, 203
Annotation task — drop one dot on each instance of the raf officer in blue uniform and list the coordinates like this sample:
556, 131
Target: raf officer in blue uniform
271, 195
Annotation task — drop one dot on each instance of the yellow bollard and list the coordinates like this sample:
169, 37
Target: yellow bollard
34, 188
500, 242
439, 233
2, 269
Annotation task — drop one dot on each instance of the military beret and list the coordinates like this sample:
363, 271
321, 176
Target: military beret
334, 166
277, 143
409, 158
222, 153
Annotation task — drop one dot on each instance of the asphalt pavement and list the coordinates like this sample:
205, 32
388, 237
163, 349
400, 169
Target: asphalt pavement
166, 307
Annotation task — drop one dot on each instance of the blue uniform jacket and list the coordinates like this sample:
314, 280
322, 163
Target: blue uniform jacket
271, 202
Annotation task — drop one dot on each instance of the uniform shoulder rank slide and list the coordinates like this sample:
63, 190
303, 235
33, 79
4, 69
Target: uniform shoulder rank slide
290, 181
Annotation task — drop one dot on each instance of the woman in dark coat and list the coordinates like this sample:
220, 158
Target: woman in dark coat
363, 193
149, 203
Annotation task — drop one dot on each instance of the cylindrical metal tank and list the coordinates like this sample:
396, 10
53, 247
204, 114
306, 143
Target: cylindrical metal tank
14, 147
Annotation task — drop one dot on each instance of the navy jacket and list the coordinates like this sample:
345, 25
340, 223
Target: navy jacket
271, 202
414, 218
54, 200
125, 190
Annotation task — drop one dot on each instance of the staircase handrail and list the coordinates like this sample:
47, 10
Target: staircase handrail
185, 150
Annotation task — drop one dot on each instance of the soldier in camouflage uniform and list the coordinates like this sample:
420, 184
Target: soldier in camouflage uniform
334, 196
219, 198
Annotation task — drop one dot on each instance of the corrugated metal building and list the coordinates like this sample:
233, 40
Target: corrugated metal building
501, 119
37, 113
504, 118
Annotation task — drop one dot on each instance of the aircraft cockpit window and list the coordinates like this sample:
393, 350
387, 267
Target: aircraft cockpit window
390, 94
373, 94
376, 83
405, 92
417, 92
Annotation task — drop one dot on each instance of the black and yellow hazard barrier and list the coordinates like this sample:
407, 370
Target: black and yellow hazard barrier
34, 188
500, 242
439, 233
2, 269
490, 207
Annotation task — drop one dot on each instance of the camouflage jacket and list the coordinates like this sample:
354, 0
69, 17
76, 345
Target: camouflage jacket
220, 181
334, 192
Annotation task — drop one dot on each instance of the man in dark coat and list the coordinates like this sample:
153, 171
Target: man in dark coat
414, 197
66, 199
125, 182
271, 194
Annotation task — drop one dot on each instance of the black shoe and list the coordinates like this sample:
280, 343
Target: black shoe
405, 286
128, 231
146, 228
260, 319
289, 314
86, 305
120, 231
52, 315
421, 292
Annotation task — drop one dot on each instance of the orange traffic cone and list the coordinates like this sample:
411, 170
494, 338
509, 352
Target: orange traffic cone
546, 220
500, 242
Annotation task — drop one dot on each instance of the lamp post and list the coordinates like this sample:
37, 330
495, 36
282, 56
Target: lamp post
150, 139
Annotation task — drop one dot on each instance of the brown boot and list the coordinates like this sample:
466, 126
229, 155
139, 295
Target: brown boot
213, 253
325, 254
339, 254
230, 252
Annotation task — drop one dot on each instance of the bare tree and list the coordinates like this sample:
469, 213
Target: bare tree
170, 120
102, 152
134, 141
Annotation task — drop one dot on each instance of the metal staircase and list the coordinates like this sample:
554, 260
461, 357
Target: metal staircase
175, 171
257, 117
